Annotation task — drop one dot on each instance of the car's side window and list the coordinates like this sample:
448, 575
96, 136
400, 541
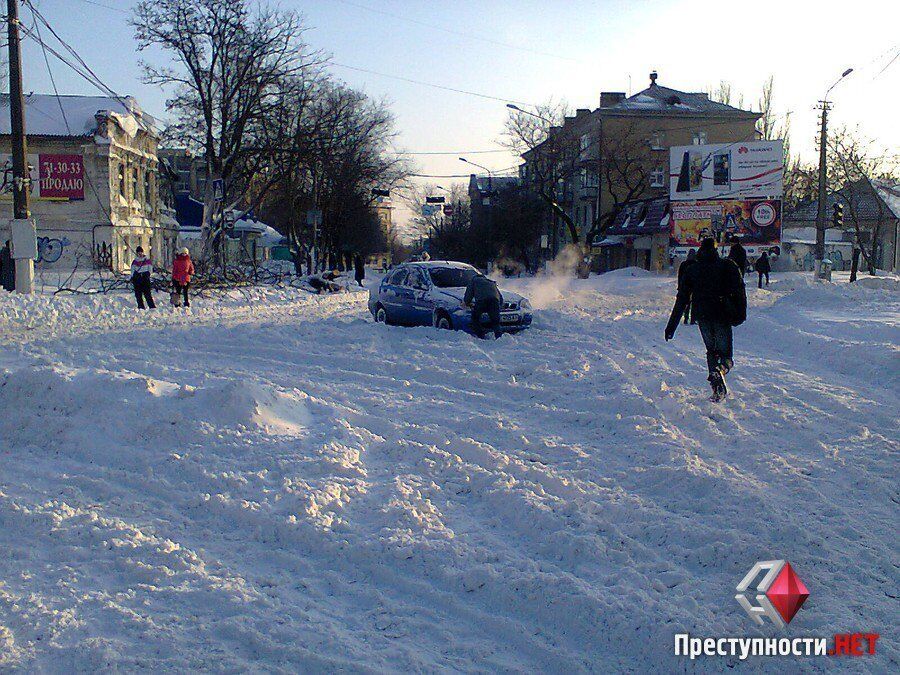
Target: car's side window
398, 277
416, 280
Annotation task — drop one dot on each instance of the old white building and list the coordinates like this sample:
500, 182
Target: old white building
94, 170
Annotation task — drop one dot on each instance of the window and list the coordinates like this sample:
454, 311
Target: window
452, 277
122, 188
658, 140
700, 138
398, 277
416, 280
584, 143
135, 181
148, 191
658, 177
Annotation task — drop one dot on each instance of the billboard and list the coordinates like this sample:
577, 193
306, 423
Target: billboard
53, 177
726, 170
756, 222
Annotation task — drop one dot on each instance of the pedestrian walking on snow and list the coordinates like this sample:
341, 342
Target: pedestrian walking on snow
739, 255
359, 267
682, 268
763, 266
182, 271
715, 289
141, 269
483, 296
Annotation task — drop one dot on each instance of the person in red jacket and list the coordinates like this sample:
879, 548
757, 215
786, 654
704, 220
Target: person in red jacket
182, 271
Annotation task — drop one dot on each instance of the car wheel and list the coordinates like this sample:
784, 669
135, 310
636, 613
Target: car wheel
443, 322
380, 315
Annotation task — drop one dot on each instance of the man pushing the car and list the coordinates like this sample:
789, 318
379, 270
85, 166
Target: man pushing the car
483, 296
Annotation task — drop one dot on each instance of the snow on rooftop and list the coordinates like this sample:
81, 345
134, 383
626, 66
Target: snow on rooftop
48, 115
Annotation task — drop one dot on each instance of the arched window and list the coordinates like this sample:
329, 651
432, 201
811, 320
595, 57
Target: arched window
122, 188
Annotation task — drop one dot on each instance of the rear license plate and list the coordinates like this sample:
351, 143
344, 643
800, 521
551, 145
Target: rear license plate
509, 318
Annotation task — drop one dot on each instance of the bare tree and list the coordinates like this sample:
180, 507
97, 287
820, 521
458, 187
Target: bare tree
626, 167
230, 59
551, 153
856, 169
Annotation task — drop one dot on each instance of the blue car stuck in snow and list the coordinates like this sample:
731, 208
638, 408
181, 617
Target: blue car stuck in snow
431, 294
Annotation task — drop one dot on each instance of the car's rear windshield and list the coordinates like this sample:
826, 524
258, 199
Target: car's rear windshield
451, 277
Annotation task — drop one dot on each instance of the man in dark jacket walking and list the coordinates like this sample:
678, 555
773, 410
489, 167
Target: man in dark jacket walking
682, 268
715, 289
483, 296
763, 266
739, 255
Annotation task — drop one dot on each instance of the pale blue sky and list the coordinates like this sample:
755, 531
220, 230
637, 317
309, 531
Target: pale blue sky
693, 44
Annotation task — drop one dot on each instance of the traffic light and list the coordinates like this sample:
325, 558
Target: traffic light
837, 214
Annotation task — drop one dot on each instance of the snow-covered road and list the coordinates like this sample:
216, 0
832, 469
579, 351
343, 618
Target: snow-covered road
274, 482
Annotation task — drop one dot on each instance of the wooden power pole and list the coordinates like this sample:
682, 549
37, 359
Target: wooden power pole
21, 175
823, 176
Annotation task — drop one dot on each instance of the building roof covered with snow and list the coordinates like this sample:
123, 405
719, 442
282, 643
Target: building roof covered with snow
659, 100
869, 200
49, 115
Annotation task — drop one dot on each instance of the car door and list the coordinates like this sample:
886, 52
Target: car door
404, 301
390, 295
423, 306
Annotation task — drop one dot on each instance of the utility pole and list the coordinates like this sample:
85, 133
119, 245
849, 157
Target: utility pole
24, 259
825, 106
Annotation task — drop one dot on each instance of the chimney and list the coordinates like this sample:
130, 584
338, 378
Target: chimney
653, 77
611, 98
581, 112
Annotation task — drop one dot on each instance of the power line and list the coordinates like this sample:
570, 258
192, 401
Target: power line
470, 36
452, 152
100, 4
62, 111
428, 84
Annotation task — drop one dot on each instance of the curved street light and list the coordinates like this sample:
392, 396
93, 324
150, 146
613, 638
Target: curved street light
513, 106
843, 75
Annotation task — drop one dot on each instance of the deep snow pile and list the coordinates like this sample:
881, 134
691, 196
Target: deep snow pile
271, 481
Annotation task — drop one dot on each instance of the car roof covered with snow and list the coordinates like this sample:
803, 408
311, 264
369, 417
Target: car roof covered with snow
431, 264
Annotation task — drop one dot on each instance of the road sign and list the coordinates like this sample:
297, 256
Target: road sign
218, 190
429, 210
448, 209
434, 200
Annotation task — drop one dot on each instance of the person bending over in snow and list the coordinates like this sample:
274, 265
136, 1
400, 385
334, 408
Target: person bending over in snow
483, 296
715, 289
182, 271
140, 278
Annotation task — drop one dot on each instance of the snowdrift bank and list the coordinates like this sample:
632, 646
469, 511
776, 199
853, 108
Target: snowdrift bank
283, 485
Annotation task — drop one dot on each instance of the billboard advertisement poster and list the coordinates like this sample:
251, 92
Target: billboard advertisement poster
53, 177
751, 170
756, 222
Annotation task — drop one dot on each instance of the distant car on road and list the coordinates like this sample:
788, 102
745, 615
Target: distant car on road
431, 294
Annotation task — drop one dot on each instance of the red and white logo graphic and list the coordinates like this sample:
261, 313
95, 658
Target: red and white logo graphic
779, 595
743, 150
763, 214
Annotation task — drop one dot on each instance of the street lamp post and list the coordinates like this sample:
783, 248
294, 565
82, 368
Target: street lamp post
490, 204
823, 173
